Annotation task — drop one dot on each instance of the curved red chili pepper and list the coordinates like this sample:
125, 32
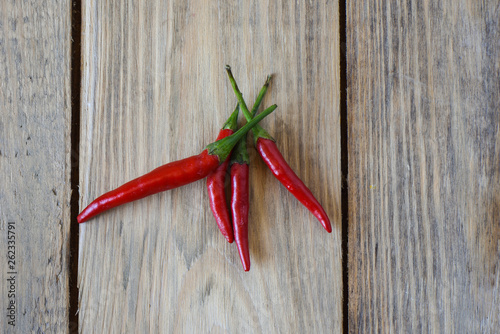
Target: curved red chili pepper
277, 164
217, 194
171, 175
215, 184
281, 170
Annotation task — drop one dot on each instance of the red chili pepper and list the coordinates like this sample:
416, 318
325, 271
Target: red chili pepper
171, 175
239, 190
269, 152
282, 171
215, 184
239, 200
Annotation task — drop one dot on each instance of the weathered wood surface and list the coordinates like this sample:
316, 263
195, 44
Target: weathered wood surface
154, 90
35, 142
424, 166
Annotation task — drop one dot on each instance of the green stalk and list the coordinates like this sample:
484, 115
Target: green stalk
222, 148
260, 97
258, 131
231, 122
240, 153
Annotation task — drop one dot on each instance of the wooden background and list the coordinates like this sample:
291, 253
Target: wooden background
35, 153
424, 166
155, 90
419, 155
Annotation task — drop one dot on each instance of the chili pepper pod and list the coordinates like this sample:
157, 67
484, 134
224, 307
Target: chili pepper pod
240, 204
239, 200
171, 175
215, 184
269, 152
284, 173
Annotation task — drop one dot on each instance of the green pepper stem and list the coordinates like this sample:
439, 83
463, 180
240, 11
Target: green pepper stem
258, 131
222, 148
262, 92
232, 121
240, 153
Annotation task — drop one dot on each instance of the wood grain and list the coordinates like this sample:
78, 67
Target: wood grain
154, 90
35, 143
424, 166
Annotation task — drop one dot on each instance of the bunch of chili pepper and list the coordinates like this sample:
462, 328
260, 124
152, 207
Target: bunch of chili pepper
213, 163
269, 152
171, 175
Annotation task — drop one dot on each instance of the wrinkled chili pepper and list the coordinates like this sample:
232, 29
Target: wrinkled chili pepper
171, 175
269, 152
215, 184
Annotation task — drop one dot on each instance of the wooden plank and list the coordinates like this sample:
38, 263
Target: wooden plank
424, 168
35, 143
155, 90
